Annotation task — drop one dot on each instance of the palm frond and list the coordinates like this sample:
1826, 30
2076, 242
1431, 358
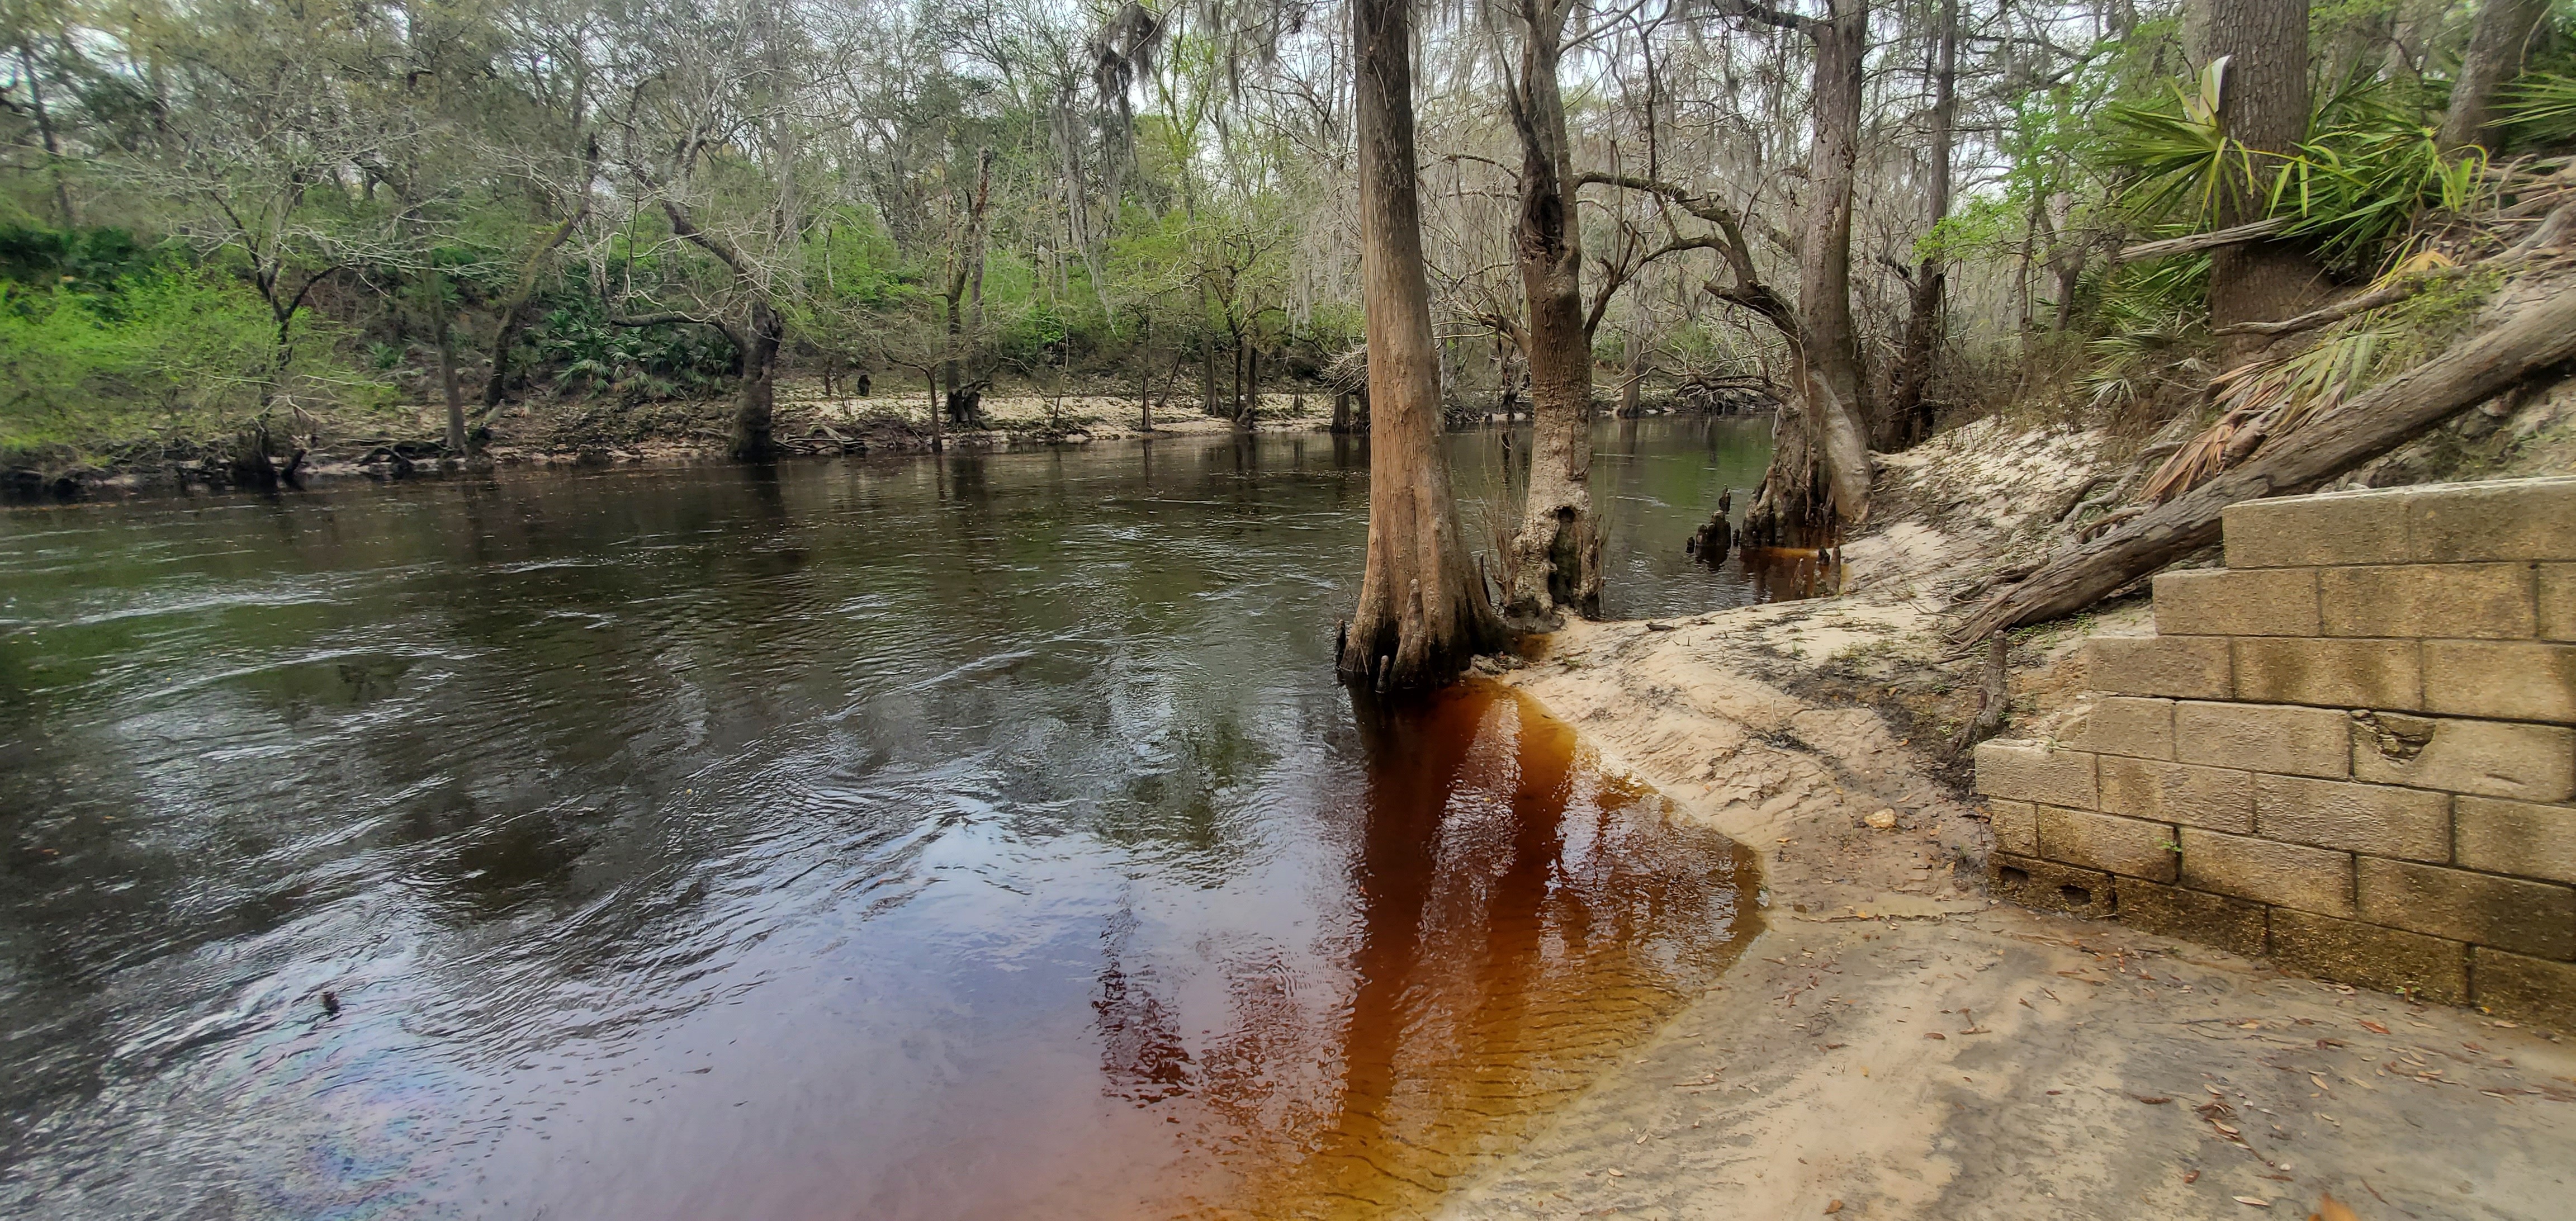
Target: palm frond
2541, 107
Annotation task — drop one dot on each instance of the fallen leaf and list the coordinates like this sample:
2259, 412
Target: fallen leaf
1618, 1174
2256, 1201
2222, 1127
1835, 1207
2332, 1209
1935, 1034
2191, 1178
2373, 1027
2151, 1099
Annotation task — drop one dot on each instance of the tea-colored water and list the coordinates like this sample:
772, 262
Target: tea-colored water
967, 837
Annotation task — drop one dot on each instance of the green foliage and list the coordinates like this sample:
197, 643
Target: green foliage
2540, 109
2180, 163
85, 260
2369, 167
2150, 314
169, 355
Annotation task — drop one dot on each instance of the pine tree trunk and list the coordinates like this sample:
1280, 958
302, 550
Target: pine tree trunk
2264, 106
1422, 613
1554, 559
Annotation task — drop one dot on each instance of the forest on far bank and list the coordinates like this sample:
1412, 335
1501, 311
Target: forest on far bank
233, 228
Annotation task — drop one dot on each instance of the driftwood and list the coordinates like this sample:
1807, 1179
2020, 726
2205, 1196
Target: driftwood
2536, 337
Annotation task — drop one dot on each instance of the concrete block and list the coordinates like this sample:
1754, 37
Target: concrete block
2016, 826
2107, 842
2264, 738
2523, 987
2193, 667
2537, 918
2023, 771
2219, 602
2557, 590
2288, 875
2489, 758
2380, 819
2504, 519
2134, 726
2521, 837
2342, 528
2330, 673
2371, 956
2233, 925
2050, 887
2458, 601
2219, 799
2524, 681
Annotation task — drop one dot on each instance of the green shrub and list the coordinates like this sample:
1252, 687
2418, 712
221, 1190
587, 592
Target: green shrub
166, 358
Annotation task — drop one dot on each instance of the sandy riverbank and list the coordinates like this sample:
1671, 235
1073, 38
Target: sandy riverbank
1899, 1044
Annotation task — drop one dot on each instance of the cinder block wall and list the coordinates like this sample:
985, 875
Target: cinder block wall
2352, 749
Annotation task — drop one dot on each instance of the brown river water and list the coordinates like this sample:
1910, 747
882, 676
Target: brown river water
967, 836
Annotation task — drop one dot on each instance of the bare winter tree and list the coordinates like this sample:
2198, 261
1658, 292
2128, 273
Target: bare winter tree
709, 115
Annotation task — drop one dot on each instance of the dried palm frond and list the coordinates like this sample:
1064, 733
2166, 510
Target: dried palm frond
2267, 399
2198, 459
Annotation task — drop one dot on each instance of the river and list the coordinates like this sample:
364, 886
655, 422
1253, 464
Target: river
964, 836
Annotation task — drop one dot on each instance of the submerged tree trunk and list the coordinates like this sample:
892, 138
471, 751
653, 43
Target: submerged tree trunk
1555, 559
1422, 613
1909, 413
2496, 50
2264, 106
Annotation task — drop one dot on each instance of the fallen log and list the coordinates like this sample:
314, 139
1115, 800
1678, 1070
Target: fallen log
2537, 336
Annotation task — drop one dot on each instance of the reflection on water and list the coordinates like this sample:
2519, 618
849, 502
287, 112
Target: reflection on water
970, 837
1783, 574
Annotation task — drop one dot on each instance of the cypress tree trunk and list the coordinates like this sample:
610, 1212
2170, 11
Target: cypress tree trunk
1819, 469
1422, 612
1555, 558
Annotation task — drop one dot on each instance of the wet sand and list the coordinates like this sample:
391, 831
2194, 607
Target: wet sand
1894, 1045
